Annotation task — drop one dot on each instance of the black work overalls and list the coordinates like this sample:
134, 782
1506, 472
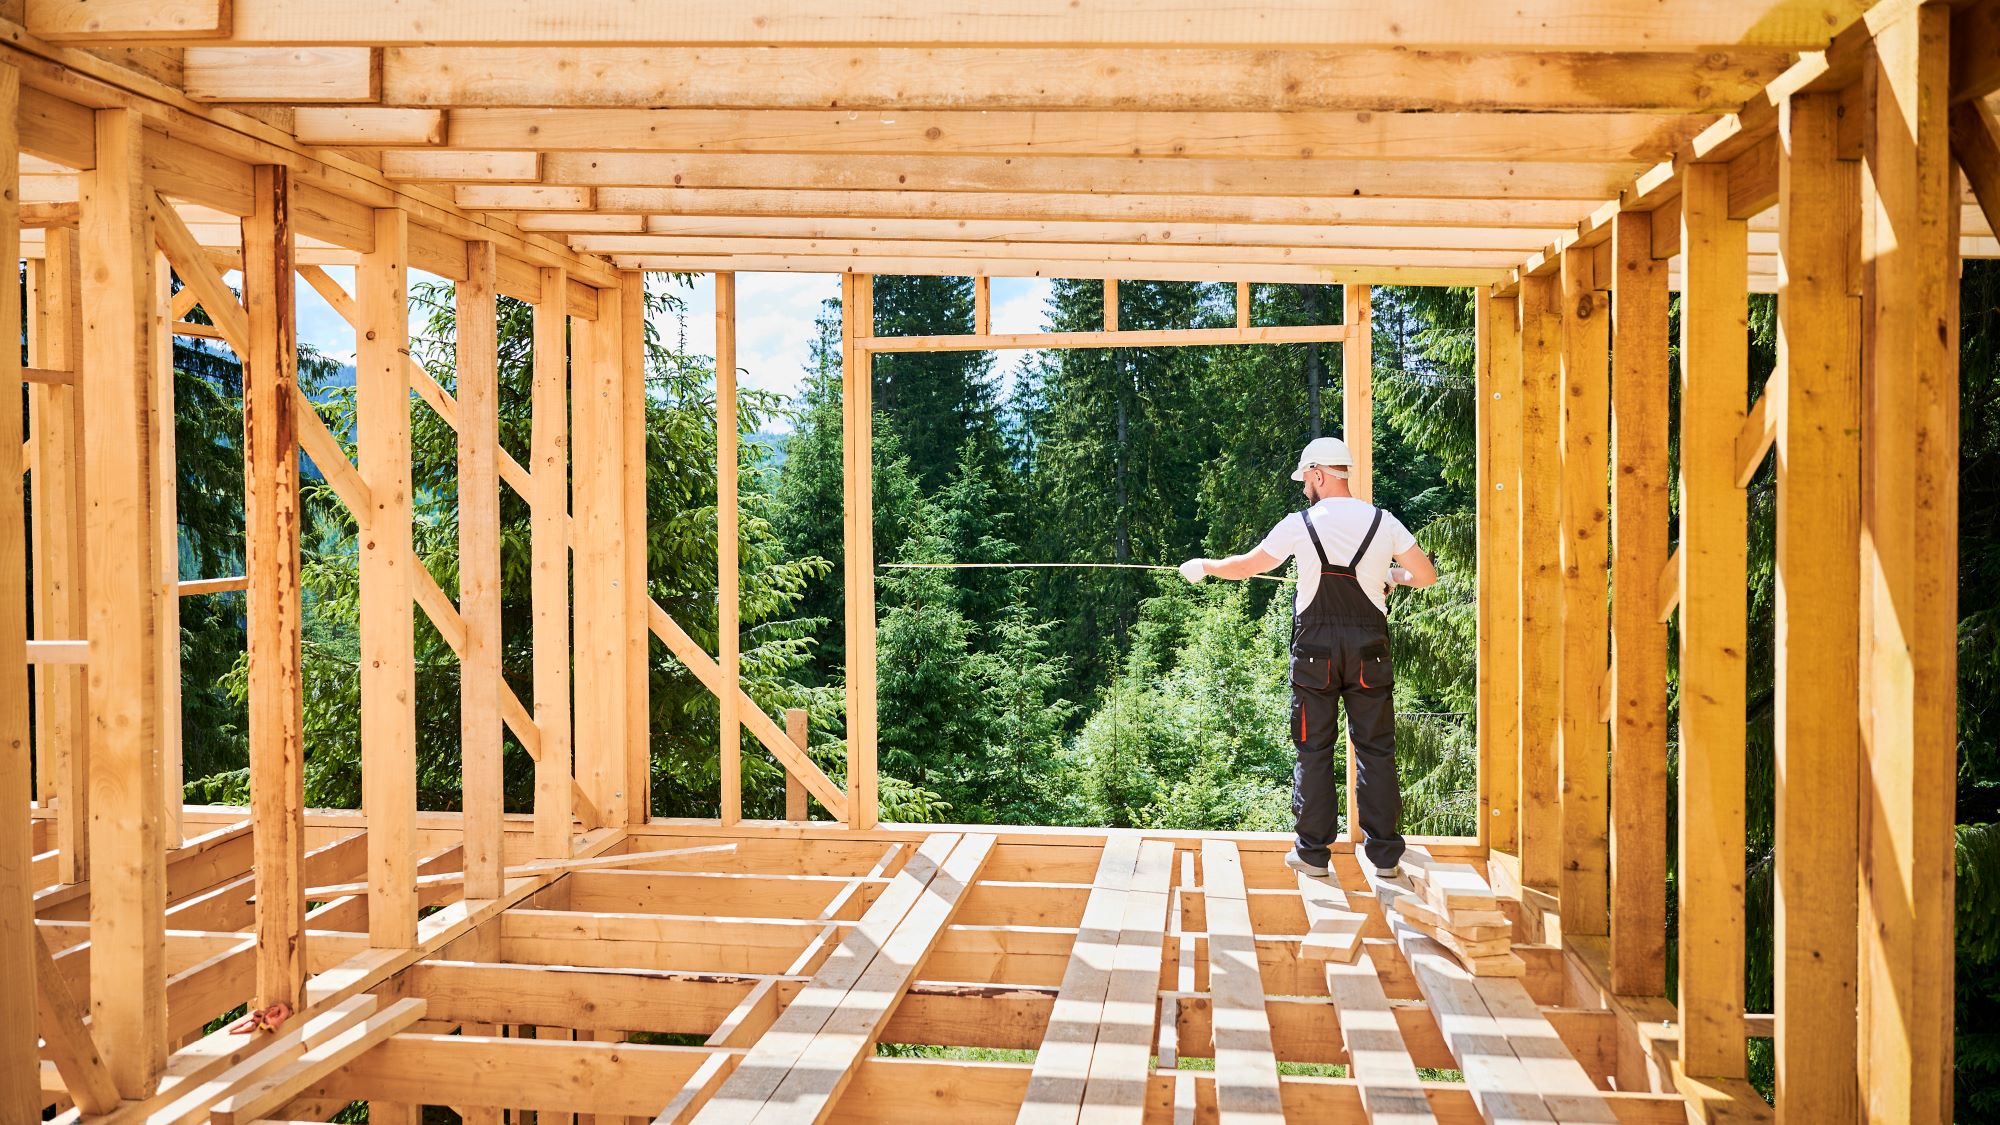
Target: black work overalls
1340, 651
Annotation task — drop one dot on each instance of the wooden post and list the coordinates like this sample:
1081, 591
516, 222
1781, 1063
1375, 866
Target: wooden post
1110, 307
549, 582
1243, 304
1499, 595
1586, 403
982, 305
20, 1059
795, 790
1540, 647
857, 418
271, 563
1638, 639
631, 333
1817, 732
597, 551
166, 549
61, 718
1357, 404
479, 570
128, 996
388, 659
1909, 539
1714, 376
727, 610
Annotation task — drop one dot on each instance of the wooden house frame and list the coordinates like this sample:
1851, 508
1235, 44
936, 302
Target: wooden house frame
1573, 161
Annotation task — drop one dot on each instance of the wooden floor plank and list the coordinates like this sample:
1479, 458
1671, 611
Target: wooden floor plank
808, 1092
1377, 1057
771, 1058
1246, 1070
1120, 1065
1565, 1086
1062, 1065
1333, 931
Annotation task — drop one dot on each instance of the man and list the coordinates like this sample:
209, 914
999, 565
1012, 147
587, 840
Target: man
1340, 649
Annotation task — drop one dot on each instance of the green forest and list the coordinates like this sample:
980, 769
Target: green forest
1040, 695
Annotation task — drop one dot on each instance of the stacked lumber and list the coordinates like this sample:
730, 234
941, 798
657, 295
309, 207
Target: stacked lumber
1452, 904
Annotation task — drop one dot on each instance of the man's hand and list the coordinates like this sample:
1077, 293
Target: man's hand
1398, 576
1194, 570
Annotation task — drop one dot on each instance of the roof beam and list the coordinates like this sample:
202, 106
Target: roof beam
1290, 236
1378, 274
1074, 205
838, 251
281, 74
1306, 135
1420, 179
1573, 25
1074, 78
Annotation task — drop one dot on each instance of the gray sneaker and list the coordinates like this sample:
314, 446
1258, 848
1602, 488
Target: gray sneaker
1388, 872
1293, 861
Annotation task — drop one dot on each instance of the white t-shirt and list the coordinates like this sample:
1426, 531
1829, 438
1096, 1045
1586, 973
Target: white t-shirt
1341, 522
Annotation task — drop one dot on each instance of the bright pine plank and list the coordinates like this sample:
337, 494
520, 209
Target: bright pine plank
1246, 1071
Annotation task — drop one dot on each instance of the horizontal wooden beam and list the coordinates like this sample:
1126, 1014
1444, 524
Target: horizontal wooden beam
58, 652
1136, 252
1536, 79
293, 75
1027, 232
1601, 25
1310, 136
1056, 266
1176, 337
195, 587
1064, 204
1063, 174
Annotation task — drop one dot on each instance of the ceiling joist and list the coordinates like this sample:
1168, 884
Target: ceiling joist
1555, 25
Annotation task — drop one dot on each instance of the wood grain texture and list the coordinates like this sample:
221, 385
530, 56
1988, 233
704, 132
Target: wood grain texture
388, 585
1639, 526
273, 622
479, 602
127, 823
1713, 562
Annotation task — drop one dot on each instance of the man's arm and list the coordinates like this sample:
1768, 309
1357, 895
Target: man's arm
1414, 569
1235, 567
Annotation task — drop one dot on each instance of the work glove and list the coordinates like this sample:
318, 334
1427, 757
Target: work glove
1194, 570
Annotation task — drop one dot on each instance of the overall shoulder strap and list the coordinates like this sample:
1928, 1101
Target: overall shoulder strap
1305, 517
1365, 540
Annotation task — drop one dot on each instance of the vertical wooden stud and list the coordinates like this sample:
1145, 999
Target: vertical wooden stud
62, 721
638, 638
549, 581
1110, 306
795, 790
166, 550
597, 552
857, 417
1639, 524
271, 563
388, 660
982, 305
127, 873
1818, 627
728, 610
1713, 562
1357, 406
1540, 647
20, 1059
1909, 540
1582, 765
1499, 452
1242, 305
479, 674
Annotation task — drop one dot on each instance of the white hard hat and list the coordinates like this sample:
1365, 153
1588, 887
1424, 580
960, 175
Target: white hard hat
1326, 452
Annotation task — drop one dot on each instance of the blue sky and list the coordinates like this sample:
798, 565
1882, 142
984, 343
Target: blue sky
774, 320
